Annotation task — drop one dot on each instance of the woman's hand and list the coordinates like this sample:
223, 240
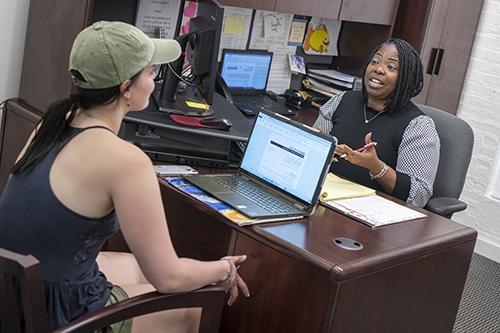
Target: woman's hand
234, 280
367, 159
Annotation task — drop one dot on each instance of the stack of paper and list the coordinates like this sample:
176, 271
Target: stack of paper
374, 210
330, 82
339, 188
362, 204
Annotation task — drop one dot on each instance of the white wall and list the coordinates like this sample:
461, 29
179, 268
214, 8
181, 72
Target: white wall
480, 107
13, 19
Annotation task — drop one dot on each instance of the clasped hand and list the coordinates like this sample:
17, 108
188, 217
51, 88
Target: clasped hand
234, 281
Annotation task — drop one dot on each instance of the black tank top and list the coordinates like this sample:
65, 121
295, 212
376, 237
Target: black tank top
33, 221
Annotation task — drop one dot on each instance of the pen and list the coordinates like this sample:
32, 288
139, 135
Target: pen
362, 149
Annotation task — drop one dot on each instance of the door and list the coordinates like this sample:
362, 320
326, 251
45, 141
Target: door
446, 50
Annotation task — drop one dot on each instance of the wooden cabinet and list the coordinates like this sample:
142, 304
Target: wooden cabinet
443, 32
18, 121
374, 11
255, 4
319, 8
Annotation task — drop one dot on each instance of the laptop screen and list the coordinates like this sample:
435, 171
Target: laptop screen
246, 69
286, 156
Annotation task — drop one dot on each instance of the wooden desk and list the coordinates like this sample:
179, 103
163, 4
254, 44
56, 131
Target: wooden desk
408, 277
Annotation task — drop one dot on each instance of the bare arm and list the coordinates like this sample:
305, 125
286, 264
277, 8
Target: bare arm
137, 201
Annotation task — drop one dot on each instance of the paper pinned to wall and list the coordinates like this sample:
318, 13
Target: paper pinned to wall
235, 29
297, 31
262, 36
274, 25
190, 10
322, 36
279, 76
155, 14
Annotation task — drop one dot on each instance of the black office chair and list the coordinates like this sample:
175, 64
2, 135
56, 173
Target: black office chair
457, 140
22, 300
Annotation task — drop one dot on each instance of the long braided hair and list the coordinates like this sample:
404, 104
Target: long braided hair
410, 75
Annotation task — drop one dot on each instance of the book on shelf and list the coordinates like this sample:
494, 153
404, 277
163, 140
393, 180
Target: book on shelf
222, 208
363, 204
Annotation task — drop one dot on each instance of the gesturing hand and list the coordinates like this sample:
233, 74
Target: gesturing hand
234, 280
367, 158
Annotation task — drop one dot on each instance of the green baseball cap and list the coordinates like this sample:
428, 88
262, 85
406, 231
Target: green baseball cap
106, 54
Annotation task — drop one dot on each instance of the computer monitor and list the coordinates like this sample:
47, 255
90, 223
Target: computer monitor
201, 45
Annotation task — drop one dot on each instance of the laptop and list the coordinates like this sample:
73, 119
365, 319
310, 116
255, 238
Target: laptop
282, 172
246, 73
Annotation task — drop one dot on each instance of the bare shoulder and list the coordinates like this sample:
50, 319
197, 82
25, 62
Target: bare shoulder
114, 154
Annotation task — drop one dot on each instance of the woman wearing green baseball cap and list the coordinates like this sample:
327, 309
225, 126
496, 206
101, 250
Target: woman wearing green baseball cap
83, 183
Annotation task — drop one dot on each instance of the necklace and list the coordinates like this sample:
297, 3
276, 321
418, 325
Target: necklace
375, 116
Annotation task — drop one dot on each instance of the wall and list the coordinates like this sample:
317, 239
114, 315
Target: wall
479, 106
13, 20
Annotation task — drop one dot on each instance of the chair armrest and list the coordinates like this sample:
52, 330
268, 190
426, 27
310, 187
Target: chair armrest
210, 299
445, 206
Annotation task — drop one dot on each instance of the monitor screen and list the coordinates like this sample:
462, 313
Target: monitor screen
246, 69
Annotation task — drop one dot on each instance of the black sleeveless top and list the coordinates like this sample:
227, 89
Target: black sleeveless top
33, 221
349, 126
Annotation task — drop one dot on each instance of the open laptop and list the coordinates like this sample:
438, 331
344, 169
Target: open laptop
282, 172
246, 73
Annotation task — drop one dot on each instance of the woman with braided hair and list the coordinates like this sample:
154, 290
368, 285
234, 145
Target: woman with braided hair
404, 161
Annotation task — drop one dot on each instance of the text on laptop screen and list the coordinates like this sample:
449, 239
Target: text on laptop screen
286, 156
246, 70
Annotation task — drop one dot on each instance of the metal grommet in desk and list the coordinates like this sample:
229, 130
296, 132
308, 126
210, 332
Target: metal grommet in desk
347, 244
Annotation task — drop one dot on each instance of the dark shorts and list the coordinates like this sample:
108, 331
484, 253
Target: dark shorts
117, 295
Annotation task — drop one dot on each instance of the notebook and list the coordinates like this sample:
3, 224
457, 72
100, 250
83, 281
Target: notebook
282, 171
246, 73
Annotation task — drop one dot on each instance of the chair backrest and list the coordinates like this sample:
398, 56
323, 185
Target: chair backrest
22, 298
457, 140
23, 310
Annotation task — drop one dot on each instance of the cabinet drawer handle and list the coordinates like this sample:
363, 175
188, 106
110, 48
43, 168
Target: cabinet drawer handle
439, 58
432, 61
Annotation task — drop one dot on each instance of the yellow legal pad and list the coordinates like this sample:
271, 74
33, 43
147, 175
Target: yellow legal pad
339, 188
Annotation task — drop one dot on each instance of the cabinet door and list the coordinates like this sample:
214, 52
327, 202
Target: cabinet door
431, 42
320, 8
17, 126
369, 11
456, 44
255, 4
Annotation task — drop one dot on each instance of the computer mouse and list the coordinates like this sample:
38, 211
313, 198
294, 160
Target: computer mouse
217, 123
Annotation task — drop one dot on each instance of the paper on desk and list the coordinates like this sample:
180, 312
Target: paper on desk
339, 188
221, 207
374, 210
235, 28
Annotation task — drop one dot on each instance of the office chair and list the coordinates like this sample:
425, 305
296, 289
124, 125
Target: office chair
457, 140
23, 300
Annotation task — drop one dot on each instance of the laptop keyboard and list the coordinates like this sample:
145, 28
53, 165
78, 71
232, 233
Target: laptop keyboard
254, 100
254, 194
